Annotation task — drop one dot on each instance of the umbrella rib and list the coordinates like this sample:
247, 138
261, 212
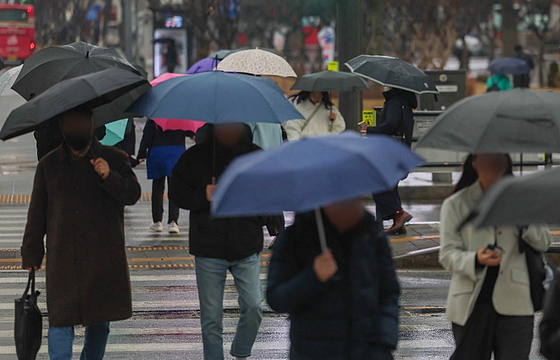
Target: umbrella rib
264, 97
488, 124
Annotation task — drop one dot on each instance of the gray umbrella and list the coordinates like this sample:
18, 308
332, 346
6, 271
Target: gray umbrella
519, 120
530, 199
330, 81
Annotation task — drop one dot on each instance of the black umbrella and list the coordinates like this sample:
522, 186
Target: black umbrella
330, 81
392, 72
55, 64
105, 87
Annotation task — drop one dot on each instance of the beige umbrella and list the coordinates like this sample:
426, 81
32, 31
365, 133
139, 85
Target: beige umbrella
263, 63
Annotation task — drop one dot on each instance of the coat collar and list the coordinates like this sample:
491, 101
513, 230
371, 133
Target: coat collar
475, 191
93, 153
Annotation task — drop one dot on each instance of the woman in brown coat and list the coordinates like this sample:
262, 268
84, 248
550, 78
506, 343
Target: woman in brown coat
79, 194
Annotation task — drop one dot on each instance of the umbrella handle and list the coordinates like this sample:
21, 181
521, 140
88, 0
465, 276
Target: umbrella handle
321, 230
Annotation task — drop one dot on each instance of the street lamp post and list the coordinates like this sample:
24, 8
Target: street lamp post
349, 39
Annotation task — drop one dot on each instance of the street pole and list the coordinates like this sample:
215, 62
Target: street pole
349, 39
127, 18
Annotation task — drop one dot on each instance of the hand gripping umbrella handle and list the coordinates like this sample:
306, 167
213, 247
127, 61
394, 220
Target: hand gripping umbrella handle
321, 230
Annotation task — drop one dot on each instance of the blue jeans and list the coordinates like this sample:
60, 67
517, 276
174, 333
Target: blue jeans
210, 279
62, 338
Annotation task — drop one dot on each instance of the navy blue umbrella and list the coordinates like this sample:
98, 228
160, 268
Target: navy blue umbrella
216, 97
310, 173
509, 65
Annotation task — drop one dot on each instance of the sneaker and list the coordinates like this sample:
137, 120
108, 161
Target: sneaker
173, 228
157, 227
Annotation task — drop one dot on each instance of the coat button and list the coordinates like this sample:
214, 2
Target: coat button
499, 233
502, 272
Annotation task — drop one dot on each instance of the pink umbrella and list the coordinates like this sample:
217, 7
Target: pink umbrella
173, 124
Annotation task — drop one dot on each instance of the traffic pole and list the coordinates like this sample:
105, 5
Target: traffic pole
349, 40
127, 18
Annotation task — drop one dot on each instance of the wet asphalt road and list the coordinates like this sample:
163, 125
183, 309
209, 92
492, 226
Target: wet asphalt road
166, 318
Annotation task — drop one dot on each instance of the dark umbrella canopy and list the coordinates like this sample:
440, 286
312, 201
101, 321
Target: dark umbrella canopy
392, 72
330, 81
521, 201
91, 90
518, 120
509, 65
50, 66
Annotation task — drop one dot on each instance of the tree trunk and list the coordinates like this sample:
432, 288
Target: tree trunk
510, 19
541, 61
106, 18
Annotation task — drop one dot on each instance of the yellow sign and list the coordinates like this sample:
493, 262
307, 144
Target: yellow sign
333, 66
367, 117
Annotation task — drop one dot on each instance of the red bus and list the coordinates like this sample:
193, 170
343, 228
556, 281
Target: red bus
17, 32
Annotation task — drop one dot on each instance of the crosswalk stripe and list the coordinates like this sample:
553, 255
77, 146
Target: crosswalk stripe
158, 347
168, 305
79, 331
133, 278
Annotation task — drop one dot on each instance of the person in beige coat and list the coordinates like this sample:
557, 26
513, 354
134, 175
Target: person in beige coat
321, 117
489, 301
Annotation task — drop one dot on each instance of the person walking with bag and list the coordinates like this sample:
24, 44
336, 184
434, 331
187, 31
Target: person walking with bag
489, 301
321, 116
79, 194
550, 324
162, 149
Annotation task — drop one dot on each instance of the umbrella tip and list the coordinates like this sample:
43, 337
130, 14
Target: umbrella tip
87, 54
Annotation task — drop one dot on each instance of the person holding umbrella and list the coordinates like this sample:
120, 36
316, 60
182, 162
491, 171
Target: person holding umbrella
489, 302
402, 81
77, 187
331, 271
397, 120
523, 80
321, 116
219, 245
162, 150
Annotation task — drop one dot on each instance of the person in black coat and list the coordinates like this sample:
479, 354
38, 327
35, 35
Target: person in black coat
523, 80
343, 304
225, 244
550, 324
397, 120
162, 149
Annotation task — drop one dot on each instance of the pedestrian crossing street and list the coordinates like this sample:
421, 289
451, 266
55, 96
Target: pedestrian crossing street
166, 325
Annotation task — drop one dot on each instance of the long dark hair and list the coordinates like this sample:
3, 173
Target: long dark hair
305, 95
470, 176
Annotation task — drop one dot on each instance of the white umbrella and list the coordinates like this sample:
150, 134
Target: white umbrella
257, 62
9, 99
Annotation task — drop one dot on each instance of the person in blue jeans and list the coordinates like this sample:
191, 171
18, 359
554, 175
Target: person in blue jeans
79, 195
222, 245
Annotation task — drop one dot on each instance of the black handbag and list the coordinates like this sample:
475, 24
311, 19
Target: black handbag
536, 266
28, 324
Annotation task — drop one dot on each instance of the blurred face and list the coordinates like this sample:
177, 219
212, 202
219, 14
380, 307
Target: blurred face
346, 214
316, 97
77, 129
490, 167
229, 134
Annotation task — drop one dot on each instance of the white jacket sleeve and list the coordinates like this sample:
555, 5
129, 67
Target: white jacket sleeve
538, 236
453, 255
339, 123
293, 129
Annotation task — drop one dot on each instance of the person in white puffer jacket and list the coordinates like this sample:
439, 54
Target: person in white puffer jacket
321, 117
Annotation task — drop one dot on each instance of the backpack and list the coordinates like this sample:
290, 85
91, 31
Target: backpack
494, 87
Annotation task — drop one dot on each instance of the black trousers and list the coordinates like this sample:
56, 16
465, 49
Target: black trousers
388, 203
158, 188
487, 332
